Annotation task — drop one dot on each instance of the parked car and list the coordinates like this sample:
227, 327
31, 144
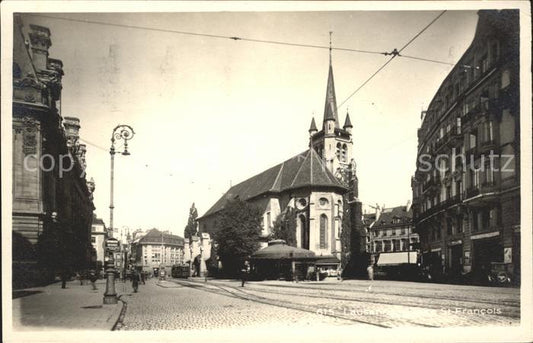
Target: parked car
500, 273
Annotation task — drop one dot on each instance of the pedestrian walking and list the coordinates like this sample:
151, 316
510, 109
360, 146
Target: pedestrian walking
64, 279
93, 277
244, 272
370, 271
135, 280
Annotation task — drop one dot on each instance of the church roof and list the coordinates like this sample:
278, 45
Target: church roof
303, 170
155, 236
388, 215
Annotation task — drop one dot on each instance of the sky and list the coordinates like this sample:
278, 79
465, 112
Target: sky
208, 112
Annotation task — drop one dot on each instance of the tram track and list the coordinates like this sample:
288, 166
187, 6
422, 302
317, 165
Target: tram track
467, 304
232, 291
481, 301
513, 309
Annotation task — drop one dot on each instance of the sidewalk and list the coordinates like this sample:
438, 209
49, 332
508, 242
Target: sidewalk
77, 307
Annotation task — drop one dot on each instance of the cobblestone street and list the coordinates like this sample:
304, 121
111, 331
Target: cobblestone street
170, 305
195, 304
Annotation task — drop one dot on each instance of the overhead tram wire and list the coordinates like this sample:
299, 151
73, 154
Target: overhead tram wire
394, 54
235, 38
422, 31
427, 60
245, 39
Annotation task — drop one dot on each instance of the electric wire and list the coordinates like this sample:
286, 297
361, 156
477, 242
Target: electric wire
394, 54
86, 21
422, 31
427, 60
235, 38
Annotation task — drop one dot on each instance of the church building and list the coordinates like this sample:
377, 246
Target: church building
313, 183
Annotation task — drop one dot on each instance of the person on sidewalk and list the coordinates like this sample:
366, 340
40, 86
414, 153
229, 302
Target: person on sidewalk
370, 271
143, 278
64, 276
93, 278
244, 272
135, 280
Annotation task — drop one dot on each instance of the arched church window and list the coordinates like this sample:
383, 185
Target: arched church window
323, 231
344, 152
338, 151
323, 202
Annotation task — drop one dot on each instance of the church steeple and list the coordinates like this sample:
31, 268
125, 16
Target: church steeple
330, 107
348, 123
312, 128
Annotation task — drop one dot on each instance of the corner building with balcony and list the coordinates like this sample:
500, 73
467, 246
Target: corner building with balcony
466, 188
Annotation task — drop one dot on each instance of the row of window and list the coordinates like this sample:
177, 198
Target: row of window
469, 71
480, 220
394, 245
391, 232
477, 101
342, 152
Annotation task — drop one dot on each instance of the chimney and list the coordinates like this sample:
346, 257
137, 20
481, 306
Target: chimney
40, 43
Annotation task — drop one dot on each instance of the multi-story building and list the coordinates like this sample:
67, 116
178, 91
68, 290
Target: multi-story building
466, 188
52, 200
98, 237
391, 230
314, 183
157, 250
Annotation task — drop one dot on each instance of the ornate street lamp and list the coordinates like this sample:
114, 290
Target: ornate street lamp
125, 133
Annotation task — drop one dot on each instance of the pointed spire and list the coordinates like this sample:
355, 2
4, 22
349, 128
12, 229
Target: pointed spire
313, 128
347, 122
330, 107
330, 33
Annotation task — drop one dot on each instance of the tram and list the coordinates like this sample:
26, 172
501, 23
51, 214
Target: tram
180, 271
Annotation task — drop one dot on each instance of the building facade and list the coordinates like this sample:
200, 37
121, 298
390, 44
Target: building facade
314, 183
391, 230
157, 250
466, 188
52, 200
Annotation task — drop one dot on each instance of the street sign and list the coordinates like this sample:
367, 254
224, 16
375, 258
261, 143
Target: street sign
112, 244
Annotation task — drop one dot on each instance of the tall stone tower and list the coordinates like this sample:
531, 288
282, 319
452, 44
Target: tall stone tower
333, 143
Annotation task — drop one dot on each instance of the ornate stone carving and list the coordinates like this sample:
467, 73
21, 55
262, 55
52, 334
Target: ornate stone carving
28, 81
29, 135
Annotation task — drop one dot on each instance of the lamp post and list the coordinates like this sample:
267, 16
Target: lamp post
121, 132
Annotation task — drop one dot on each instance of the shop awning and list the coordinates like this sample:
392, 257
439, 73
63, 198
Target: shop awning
396, 258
